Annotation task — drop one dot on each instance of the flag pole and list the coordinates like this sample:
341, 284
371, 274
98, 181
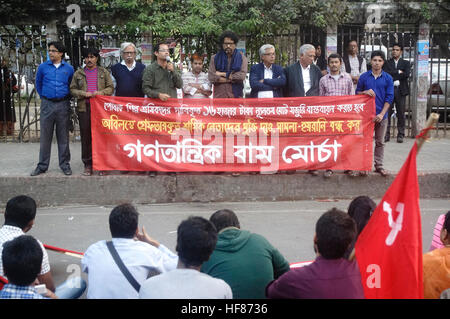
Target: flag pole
424, 135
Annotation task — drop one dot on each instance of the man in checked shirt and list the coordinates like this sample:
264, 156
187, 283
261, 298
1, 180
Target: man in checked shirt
195, 82
336, 82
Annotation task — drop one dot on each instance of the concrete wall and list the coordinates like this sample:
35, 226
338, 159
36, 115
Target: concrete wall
111, 190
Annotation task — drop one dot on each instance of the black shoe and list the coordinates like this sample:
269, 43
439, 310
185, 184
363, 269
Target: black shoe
37, 172
399, 139
387, 138
328, 173
381, 171
313, 172
67, 171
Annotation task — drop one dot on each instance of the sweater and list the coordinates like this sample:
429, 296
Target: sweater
128, 83
245, 261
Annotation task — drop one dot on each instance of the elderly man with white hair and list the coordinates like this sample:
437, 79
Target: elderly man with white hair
127, 75
302, 77
266, 78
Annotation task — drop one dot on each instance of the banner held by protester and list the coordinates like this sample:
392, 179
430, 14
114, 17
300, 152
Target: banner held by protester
141, 134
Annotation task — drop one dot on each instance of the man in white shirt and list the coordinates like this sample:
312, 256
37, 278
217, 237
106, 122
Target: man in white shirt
302, 78
353, 64
141, 255
399, 69
267, 78
20, 213
195, 82
196, 240
127, 75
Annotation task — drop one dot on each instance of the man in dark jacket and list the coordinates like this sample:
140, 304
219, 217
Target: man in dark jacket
399, 69
302, 77
266, 78
245, 261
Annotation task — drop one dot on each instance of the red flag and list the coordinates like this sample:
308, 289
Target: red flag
389, 249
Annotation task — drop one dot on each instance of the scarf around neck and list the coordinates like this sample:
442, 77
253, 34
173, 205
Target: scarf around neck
221, 64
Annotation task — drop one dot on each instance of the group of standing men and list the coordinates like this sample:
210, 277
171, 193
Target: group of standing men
56, 82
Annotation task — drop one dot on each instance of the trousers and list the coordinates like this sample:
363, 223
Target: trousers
54, 117
378, 154
84, 118
399, 102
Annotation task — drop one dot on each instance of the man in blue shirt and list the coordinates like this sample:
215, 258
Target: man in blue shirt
378, 84
53, 79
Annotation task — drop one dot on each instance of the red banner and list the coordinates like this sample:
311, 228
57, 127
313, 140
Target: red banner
200, 135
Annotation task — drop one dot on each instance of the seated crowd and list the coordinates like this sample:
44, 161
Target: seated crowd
214, 259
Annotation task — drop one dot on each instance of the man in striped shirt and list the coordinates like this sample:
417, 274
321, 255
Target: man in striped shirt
337, 82
195, 83
88, 82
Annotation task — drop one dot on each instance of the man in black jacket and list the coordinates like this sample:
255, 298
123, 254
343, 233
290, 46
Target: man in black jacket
399, 69
302, 77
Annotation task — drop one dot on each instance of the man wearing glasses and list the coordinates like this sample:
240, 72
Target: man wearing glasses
127, 75
53, 78
228, 68
266, 78
161, 79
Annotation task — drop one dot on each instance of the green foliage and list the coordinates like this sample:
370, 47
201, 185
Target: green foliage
171, 18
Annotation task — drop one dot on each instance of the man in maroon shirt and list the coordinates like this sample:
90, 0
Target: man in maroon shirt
330, 276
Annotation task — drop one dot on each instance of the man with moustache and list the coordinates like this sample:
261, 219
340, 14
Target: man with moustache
53, 79
127, 75
195, 82
228, 68
88, 82
333, 84
161, 79
353, 64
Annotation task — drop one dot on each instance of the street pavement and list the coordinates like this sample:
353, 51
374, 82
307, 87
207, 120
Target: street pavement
289, 226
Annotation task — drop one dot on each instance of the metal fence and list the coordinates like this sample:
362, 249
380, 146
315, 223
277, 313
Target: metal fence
438, 94
25, 51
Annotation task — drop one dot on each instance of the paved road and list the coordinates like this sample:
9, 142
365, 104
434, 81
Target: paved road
289, 226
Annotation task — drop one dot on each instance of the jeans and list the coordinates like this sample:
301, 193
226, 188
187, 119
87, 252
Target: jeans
72, 288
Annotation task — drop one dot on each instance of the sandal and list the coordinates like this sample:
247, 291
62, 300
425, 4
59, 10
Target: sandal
87, 171
328, 173
381, 171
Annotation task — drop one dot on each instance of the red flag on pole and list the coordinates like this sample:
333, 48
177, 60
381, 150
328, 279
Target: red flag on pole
389, 249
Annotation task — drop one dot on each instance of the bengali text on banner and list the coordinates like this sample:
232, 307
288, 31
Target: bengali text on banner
232, 135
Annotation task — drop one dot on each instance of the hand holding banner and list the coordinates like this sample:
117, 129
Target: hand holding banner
236, 135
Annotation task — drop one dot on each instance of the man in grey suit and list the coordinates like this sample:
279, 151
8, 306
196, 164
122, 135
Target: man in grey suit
302, 77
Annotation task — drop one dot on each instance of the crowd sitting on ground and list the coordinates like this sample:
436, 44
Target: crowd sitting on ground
214, 259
